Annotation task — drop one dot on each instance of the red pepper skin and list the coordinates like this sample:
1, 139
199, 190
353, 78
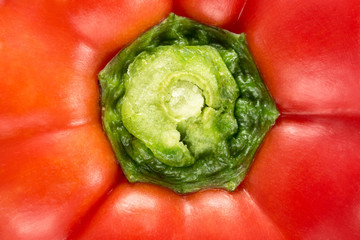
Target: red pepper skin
309, 57
44, 190
212, 12
306, 177
59, 178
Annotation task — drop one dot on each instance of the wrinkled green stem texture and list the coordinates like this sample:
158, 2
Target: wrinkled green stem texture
184, 107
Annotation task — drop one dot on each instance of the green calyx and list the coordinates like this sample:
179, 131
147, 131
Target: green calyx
184, 107
168, 92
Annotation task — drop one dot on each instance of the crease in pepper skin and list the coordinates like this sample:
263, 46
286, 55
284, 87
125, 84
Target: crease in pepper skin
185, 107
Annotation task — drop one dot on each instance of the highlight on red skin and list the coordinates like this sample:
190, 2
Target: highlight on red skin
212, 12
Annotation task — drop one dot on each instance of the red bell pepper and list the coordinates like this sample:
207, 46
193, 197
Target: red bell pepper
58, 175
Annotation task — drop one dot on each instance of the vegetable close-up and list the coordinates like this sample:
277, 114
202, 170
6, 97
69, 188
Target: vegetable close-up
179, 119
